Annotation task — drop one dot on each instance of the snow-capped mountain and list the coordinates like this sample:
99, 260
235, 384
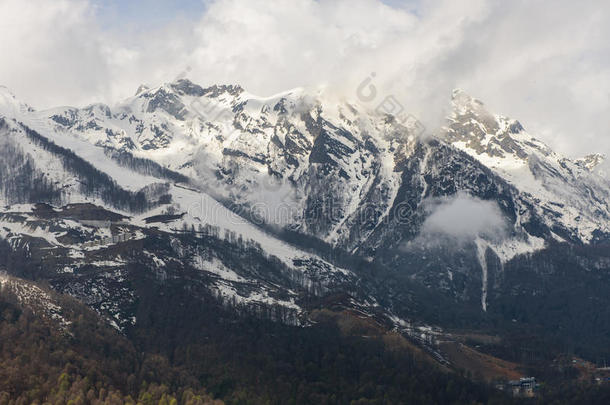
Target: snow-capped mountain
282, 178
566, 195
147, 201
332, 170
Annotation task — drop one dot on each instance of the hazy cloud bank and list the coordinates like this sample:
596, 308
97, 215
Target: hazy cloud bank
464, 218
546, 63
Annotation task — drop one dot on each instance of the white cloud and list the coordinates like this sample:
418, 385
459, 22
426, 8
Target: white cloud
464, 217
48, 51
546, 63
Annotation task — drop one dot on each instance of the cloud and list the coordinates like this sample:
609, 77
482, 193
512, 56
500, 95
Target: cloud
49, 53
464, 218
545, 63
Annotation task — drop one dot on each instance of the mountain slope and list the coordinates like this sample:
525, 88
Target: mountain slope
569, 198
278, 206
279, 155
53, 349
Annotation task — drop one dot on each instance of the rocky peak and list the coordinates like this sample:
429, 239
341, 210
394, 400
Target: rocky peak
463, 102
141, 89
185, 87
472, 127
166, 99
592, 161
218, 90
11, 105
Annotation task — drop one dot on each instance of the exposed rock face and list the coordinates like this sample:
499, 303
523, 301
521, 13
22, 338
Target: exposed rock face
358, 180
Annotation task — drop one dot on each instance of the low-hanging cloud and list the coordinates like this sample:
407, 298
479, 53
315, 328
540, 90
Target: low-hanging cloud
546, 63
464, 217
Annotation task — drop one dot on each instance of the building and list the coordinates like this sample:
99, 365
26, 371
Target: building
524, 387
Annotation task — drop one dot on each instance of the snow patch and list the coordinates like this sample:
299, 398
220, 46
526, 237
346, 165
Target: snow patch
481, 250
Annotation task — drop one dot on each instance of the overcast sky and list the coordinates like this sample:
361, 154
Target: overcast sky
546, 63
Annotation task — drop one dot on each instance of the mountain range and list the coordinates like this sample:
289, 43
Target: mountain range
285, 208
